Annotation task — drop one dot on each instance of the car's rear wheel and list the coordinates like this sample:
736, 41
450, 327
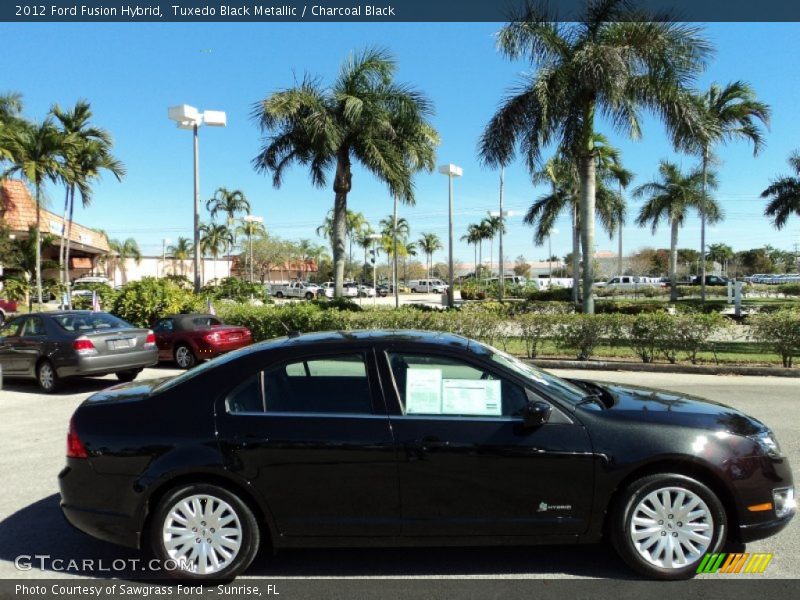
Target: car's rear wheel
279, 294
309, 296
665, 524
129, 375
205, 532
46, 377
185, 357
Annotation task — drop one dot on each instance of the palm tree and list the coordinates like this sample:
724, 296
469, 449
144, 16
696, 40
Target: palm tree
365, 241
562, 174
474, 236
429, 243
249, 229
83, 161
669, 199
355, 221
394, 230
728, 113
611, 63
720, 253
784, 195
121, 251
365, 116
181, 251
215, 239
34, 151
231, 203
492, 227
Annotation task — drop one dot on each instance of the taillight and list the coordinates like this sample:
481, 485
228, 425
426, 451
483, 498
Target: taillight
150, 341
212, 337
75, 447
83, 345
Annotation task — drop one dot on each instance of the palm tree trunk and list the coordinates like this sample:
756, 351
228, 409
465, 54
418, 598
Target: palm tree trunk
576, 254
68, 245
673, 261
394, 255
61, 264
38, 245
587, 175
341, 186
703, 229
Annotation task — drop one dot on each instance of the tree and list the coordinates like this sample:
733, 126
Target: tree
474, 237
34, 151
365, 241
181, 251
215, 239
727, 113
521, 266
784, 195
249, 229
669, 199
231, 203
83, 160
365, 116
121, 251
614, 63
429, 243
721, 253
492, 226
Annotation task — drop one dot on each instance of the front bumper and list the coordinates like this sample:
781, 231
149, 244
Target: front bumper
759, 531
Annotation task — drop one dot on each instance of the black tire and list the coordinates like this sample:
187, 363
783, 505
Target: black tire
413, 290
250, 534
2, 318
622, 515
279, 294
309, 296
129, 375
47, 378
185, 357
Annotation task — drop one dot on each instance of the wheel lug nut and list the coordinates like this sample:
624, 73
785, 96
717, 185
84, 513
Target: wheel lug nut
663, 533
203, 523
212, 529
197, 541
209, 540
679, 525
669, 517
194, 529
674, 534
660, 523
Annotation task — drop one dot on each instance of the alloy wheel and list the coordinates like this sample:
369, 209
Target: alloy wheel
671, 527
203, 534
183, 356
46, 376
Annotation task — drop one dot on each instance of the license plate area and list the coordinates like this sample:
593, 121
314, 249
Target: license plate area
121, 343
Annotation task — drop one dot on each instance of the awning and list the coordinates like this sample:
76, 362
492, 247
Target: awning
80, 262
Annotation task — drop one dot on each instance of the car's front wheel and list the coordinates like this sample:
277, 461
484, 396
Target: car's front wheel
46, 377
666, 523
185, 357
205, 532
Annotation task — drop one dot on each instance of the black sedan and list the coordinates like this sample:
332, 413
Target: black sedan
52, 346
413, 438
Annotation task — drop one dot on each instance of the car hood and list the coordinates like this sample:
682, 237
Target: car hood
645, 404
126, 392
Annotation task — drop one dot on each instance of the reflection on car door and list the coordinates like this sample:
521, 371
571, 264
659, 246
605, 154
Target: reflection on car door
482, 472
9, 340
313, 436
31, 344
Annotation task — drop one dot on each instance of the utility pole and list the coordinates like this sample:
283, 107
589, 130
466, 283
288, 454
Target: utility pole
502, 271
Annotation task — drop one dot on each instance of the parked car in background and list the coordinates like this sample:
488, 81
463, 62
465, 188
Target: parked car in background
8, 308
383, 290
435, 286
90, 279
412, 438
52, 346
366, 291
327, 289
628, 283
189, 339
297, 289
710, 280
510, 280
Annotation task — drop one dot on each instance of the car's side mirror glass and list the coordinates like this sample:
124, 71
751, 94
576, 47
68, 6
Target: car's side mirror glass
536, 413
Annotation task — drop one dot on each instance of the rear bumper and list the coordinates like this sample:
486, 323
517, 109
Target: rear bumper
102, 365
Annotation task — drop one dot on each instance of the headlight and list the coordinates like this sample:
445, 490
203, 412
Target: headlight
784, 501
767, 442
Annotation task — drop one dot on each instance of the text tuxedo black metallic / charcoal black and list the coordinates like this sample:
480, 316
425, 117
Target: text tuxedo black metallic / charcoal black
413, 438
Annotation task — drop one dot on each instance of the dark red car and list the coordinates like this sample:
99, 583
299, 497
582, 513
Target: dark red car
188, 339
7, 308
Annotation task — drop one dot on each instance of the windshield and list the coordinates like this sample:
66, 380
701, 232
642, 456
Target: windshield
560, 388
77, 322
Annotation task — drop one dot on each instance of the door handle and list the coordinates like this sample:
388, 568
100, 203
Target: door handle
430, 443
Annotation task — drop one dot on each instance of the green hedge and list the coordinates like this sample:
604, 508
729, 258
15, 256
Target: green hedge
781, 331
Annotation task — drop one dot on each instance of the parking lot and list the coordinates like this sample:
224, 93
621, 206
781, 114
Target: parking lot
32, 450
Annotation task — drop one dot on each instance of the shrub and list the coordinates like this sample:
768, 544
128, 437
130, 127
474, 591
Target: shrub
239, 290
106, 294
142, 302
692, 332
581, 333
554, 293
552, 307
653, 334
781, 331
535, 328
628, 307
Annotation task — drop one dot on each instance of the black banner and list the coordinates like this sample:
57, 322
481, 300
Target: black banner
366, 10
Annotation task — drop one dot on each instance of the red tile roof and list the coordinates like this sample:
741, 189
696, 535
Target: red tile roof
18, 212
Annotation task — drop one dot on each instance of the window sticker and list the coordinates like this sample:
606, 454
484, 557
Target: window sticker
471, 397
424, 391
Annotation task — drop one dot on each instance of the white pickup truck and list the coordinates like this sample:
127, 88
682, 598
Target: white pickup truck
297, 289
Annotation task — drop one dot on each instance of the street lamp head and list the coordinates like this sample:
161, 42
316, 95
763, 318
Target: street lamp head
374, 236
450, 170
252, 219
188, 117
215, 118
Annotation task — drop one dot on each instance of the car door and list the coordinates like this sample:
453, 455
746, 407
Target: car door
164, 330
313, 437
468, 466
9, 340
31, 344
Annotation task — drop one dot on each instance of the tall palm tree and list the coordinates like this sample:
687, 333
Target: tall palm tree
365, 116
215, 239
249, 229
394, 230
355, 221
669, 198
83, 161
720, 253
181, 251
474, 237
492, 226
429, 243
121, 251
612, 62
229, 202
784, 195
34, 151
728, 113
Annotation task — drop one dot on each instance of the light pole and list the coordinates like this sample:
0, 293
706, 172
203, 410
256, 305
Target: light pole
451, 171
164, 243
502, 214
188, 117
374, 237
251, 219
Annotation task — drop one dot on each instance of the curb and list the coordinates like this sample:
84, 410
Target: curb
598, 365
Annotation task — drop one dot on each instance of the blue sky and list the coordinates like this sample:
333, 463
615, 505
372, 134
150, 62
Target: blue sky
131, 73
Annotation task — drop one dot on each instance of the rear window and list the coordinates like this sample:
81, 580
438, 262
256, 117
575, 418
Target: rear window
89, 322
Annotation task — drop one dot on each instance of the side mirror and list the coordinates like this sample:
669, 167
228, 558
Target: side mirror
536, 413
